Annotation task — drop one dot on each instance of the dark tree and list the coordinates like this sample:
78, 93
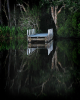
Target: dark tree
0, 13
9, 24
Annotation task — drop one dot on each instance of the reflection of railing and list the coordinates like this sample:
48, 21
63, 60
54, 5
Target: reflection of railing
50, 48
30, 50
32, 47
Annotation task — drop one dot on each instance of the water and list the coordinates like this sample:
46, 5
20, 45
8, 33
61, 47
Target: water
40, 70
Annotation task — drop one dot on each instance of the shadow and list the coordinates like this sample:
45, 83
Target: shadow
46, 22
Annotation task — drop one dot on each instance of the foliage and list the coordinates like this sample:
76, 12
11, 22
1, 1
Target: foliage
6, 31
71, 49
76, 22
13, 32
68, 27
6, 44
73, 5
30, 19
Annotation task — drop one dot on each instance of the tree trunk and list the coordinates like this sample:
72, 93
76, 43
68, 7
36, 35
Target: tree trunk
0, 13
14, 16
54, 14
54, 61
9, 23
57, 69
53, 66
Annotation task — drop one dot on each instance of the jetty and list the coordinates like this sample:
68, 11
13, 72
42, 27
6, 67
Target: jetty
33, 36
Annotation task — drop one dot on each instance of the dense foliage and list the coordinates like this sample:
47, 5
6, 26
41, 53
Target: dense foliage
69, 24
13, 44
68, 21
30, 18
71, 49
12, 32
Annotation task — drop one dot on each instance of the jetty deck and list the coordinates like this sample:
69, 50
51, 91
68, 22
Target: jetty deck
32, 36
39, 35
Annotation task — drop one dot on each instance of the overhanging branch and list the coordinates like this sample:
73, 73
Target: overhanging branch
60, 9
21, 6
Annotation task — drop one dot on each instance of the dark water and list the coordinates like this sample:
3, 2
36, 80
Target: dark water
40, 71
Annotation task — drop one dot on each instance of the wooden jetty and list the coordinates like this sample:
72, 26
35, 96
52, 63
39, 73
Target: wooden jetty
33, 36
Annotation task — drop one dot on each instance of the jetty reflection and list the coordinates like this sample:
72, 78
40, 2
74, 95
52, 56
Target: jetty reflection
33, 47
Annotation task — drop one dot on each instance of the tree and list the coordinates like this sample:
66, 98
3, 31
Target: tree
9, 24
7, 14
57, 5
0, 13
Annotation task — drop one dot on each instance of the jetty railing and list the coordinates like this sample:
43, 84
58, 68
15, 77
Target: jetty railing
33, 36
30, 31
50, 32
33, 31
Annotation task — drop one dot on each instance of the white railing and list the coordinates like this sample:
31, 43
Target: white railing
50, 32
30, 31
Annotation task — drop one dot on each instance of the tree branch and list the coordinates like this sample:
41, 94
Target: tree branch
21, 6
26, 3
52, 12
61, 66
5, 12
60, 10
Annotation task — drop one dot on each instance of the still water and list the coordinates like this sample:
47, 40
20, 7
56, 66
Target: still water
40, 70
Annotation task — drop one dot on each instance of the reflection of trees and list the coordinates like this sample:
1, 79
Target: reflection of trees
19, 63
55, 62
60, 81
33, 76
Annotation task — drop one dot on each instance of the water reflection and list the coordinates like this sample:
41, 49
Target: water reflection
40, 74
32, 47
